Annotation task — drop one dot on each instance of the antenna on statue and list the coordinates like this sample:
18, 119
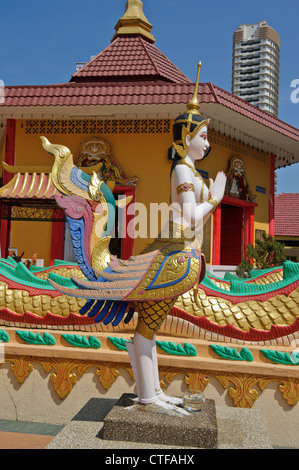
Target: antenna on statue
193, 104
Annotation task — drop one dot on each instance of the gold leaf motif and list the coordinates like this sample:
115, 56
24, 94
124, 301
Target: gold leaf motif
169, 373
197, 380
63, 378
222, 378
21, 367
107, 372
107, 375
289, 387
290, 390
243, 395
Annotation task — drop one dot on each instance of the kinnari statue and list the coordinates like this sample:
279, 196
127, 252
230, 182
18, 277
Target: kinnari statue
151, 282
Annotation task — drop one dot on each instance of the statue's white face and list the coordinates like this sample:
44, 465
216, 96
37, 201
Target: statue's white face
199, 145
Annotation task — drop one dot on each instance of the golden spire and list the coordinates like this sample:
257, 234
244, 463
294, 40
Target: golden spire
193, 104
134, 22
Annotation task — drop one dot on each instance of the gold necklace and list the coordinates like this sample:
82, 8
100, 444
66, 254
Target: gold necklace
194, 171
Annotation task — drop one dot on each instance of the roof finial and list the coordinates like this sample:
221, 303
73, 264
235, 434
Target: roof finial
193, 104
134, 22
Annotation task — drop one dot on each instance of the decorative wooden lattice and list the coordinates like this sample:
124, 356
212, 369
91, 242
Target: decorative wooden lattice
87, 126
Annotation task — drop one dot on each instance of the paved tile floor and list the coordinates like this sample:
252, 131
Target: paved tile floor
25, 435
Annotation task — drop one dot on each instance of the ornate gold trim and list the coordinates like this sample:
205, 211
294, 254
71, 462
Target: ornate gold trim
64, 375
242, 392
289, 387
21, 367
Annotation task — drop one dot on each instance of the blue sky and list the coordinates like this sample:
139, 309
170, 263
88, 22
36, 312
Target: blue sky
41, 41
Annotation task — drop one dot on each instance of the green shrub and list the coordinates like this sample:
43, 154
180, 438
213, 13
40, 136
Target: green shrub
267, 253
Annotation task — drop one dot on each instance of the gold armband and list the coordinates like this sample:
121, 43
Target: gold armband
214, 203
185, 187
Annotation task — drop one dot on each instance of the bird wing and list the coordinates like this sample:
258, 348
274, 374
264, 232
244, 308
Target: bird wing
165, 273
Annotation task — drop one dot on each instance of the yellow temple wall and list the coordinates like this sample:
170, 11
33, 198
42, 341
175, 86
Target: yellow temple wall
32, 237
257, 166
143, 154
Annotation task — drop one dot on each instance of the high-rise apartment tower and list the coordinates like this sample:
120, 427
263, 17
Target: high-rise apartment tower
256, 53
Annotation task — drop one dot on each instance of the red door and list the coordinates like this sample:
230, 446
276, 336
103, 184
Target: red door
232, 223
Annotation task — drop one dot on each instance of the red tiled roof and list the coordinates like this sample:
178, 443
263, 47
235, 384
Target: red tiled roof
253, 112
86, 94
136, 93
128, 59
133, 71
287, 214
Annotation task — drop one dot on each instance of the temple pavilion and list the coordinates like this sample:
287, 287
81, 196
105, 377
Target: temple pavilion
118, 109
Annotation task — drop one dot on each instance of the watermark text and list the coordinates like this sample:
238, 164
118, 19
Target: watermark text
295, 92
167, 221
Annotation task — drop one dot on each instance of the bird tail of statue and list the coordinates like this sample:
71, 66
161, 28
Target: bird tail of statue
63, 157
89, 205
58, 151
